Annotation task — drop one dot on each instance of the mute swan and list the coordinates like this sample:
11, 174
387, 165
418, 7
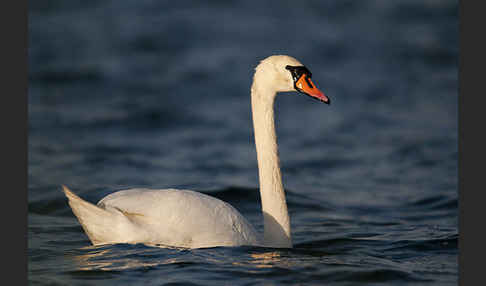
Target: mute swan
183, 218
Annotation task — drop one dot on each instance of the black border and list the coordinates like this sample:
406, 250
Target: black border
471, 174
14, 88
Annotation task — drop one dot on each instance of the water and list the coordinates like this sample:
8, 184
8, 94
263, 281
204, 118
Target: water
152, 94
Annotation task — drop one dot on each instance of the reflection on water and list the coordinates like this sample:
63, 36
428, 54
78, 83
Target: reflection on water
85, 261
109, 259
268, 260
124, 257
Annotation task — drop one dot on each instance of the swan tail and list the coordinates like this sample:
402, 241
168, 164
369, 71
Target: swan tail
98, 223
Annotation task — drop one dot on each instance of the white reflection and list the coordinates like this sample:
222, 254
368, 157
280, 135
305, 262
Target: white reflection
109, 260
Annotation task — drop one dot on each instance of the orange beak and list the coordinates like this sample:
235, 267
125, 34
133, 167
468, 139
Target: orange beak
305, 85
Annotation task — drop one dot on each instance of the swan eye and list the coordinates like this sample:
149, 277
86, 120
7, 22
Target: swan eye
297, 72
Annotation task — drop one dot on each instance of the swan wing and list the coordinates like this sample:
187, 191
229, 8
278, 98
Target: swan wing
180, 218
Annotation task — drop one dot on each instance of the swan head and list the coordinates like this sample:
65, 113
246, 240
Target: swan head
281, 73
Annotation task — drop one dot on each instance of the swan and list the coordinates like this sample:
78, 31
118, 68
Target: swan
189, 219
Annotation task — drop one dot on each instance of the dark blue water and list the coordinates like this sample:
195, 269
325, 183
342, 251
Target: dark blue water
156, 94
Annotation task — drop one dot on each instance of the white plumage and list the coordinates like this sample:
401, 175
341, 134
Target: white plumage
168, 217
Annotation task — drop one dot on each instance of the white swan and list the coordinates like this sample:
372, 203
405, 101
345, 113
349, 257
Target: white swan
183, 218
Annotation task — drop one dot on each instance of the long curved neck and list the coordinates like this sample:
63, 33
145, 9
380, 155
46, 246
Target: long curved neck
275, 215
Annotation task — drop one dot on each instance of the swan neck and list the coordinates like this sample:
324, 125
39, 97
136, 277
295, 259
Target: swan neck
275, 214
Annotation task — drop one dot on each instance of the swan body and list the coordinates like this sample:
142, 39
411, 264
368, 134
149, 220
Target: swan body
168, 217
184, 218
